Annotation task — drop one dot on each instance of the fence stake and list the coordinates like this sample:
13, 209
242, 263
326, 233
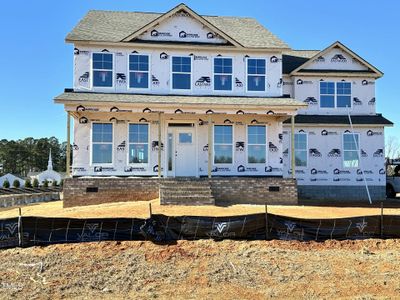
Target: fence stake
19, 227
266, 222
381, 219
150, 210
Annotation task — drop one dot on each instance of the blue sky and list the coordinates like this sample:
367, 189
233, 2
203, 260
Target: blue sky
37, 64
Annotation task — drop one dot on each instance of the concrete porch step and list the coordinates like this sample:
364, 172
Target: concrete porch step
187, 191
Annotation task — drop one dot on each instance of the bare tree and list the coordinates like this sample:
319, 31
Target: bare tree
392, 147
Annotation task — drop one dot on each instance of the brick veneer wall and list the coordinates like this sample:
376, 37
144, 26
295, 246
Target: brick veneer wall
108, 190
254, 190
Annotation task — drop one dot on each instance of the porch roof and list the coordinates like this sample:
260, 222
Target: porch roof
376, 119
90, 97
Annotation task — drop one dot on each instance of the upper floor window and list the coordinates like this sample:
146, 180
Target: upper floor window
300, 149
222, 74
335, 95
256, 141
139, 71
181, 72
102, 65
223, 144
351, 150
102, 143
256, 70
138, 143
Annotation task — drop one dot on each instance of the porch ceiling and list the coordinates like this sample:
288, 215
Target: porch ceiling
168, 100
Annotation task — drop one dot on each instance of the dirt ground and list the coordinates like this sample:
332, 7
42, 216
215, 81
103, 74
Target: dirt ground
203, 270
140, 209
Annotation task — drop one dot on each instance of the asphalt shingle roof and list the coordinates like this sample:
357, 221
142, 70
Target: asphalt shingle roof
82, 97
114, 26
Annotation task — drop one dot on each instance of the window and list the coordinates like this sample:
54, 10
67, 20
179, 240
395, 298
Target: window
138, 71
181, 73
350, 150
185, 138
329, 98
138, 143
256, 141
300, 149
223, 148
327, 94
343, 90
102, 143
102, 64
256, 71
222, 74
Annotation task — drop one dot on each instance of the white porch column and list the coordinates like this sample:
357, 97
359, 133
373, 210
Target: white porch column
68, 154
210, 146
159, 145
293, 159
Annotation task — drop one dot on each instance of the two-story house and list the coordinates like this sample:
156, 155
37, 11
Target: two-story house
182, 95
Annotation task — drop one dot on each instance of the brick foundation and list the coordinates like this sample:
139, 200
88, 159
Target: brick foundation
225, 190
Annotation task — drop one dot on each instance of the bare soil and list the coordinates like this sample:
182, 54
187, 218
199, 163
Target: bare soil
203, 270
140, 209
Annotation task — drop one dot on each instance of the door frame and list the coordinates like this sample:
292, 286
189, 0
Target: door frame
195, 142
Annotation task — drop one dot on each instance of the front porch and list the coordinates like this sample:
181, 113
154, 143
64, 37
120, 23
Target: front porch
223, 190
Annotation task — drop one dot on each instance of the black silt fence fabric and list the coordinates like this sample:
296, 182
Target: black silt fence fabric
30, 231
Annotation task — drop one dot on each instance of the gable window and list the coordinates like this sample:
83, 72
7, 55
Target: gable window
102, 143
350, 150
138, 71
138, 143
256, 144
343, 91
300, 149
102, 65
335, 94
181, 72
223, 144
256, 70
222, 74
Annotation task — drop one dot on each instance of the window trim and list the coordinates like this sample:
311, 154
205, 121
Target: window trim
233, 142
306, 150
335, 95
129, 88
92, 72
359, 149
112, 144
148, 144
171, 74
247, 74
213, 74
248, 144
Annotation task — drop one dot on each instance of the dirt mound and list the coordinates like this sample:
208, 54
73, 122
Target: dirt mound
204, 269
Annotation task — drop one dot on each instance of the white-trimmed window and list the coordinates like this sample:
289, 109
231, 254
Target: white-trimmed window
223, 144
138, 144
256, 74
351, 155
256, 144
102, 143
139, 75
223, 74
181, 72
335, 94
102, 66
300, 149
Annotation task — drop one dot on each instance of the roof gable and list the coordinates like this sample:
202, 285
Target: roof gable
117, 26
336, 57
181, 24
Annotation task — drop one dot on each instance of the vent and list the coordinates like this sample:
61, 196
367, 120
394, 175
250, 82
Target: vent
273, 188
92, 189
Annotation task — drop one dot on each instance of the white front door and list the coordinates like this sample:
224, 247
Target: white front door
181, 160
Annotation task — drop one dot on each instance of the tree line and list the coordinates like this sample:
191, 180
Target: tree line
30, 154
